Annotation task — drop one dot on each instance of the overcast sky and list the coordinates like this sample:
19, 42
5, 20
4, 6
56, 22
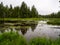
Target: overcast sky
42, 6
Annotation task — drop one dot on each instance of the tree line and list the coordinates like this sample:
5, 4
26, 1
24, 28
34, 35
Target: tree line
52, 15
23, 12
18, 12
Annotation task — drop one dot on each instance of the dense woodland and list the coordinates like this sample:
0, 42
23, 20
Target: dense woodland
52, 15
22, 12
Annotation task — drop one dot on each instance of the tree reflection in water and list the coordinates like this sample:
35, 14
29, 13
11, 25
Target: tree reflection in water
1, 26
24, 30
33, 27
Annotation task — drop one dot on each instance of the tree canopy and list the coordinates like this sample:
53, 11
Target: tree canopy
23, 12
17, 12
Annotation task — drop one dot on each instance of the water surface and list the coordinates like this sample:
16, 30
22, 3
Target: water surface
41, 29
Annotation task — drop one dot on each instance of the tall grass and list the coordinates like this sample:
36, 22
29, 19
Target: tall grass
44, 41
13, 38
15, 19
54, 21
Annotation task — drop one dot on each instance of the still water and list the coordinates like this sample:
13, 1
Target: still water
41, 29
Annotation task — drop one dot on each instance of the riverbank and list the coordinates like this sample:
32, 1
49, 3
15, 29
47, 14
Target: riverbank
54, 21
13, 38
15, 19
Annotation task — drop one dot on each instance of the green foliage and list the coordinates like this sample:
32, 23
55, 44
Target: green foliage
52, 15
23, 12
12, 38
54, 21
1, 10
17, 12
44, 41
34, 12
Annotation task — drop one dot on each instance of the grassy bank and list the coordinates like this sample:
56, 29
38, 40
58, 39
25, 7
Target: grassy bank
27, 19
44, 41
13, 38
54, 21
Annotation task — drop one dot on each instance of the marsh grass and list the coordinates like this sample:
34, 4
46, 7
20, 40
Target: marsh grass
44, 41
54, 21
12, 38
15, 19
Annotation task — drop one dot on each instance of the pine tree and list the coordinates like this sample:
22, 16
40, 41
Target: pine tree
34, 12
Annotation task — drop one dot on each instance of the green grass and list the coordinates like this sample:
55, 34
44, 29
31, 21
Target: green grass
44, 41
13, 19
13, 38
54, 21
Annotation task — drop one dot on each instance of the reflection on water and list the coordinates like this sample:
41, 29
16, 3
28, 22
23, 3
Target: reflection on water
33, 27
1, 26
43, 30
40, 29
22, 26
23, 30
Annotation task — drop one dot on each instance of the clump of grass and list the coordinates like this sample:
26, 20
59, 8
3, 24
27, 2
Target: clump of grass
57, 41
44, 41
54, 21
12, 38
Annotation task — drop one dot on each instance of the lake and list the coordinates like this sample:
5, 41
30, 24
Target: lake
39, 29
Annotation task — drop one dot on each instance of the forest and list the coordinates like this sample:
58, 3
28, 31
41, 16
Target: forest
17, 12
23, 12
